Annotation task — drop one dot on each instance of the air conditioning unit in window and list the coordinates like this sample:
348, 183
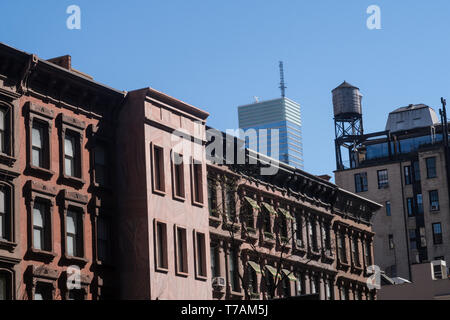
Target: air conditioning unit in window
439, 269
434, 207
218, 283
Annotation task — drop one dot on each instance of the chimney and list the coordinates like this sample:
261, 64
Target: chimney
66, 63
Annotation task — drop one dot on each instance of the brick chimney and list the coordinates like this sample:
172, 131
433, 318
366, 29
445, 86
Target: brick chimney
66, 63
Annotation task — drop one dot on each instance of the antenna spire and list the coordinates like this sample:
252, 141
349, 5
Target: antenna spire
282, 83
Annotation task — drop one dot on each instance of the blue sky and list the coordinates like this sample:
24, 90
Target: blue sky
217, 55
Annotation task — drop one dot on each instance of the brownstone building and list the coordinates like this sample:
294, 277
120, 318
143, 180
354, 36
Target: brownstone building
55, 187
284, 234
126, 189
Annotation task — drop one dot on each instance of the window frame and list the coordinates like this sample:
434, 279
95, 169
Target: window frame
432, 169
9, 214
105, 145
43, 118
183, 270
436, 200
361, 182
383, 178
158, 170
7, 145
47, 245
197, 187
77, 203
201, 271
408, 175
109, 254
410, 207
74, 128
388, 208
161, 246
178, 176
9, 276
437, 240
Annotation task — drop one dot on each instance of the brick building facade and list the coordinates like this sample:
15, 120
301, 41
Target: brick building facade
53, 190
91, 177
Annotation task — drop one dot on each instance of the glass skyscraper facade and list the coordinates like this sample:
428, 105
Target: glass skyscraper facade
264, 117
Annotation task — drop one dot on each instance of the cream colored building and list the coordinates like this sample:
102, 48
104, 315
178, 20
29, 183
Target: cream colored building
404, 169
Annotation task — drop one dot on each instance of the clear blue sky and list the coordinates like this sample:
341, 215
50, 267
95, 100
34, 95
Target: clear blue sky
217, 55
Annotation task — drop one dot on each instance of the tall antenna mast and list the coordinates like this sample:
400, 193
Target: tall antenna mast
282, 84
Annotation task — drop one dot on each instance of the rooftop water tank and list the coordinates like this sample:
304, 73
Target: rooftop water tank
346, 101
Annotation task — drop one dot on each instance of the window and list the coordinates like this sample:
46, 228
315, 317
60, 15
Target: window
327, 236
344, 293
388, 208
431, 167
410, 206
391, 241
215, 272
312, 235
252, 280
315, 285
181, 251
247, 215
233, 270
230, 206
74, 236
212, 197
300, 290
178, 176
101, 167
197, 182
413, 239
159, 185
5, 212
72, 153
5, 130
299, 230
286, 287
419, 203
76, 294
43, 291
283, 226
355, 251
383, 181
407, 171
437, 233
5, 285
201, 254
416, 168
103, 239
361, 182
368, 253
40, 145
434, 200
328, 289
341, 247
41, 227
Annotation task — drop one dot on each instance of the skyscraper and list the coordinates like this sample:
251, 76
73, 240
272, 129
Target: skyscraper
264, 117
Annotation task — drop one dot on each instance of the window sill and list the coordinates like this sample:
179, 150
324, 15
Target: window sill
161, 269
73, 180
103, 187
47, 173
232, 226
42, 254
7, 159
7, 245
343, 264
201, 278
159, 192
182, 274
197, 204
76, 260
104, 264
179, 198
